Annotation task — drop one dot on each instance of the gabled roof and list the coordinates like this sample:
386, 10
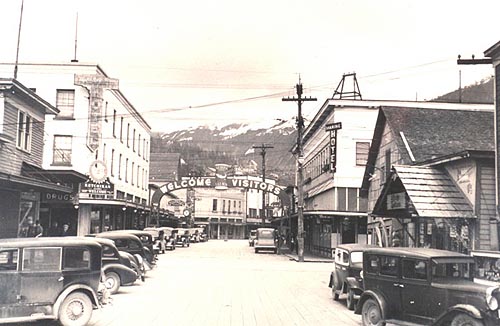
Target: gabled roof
431, 191
432, 133
164, 166
426, 134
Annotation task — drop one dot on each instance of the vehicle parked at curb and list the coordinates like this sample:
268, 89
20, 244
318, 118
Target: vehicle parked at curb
51, 278
118, 268
424, 286
160, 242
170, 237
132, 244
346, 274
182, 237
266, 240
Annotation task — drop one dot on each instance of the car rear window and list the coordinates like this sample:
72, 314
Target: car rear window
8, 260
42, 259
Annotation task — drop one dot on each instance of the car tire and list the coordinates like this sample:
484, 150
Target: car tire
351, 302
256, 250
335, 294
465, 320
371, 315
76, 310
112, 282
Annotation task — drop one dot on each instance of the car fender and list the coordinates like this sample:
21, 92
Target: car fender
375, 296
331, 280
354, 284
127, 275
463, 308
75, 288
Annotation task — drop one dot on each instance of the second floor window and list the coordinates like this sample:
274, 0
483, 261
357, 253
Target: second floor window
65, 102
62, 150
214, 205
24, 131
362, 149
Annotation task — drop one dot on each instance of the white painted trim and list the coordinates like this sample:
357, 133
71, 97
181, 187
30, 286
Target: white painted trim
407, 146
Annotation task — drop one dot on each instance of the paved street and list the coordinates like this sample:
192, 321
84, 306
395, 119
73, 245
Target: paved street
226, 283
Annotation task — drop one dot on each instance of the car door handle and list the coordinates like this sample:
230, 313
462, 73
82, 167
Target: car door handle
60, 279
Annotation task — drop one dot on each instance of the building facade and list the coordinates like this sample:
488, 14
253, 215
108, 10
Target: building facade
23, 181
335, 146
97, 134
429, 179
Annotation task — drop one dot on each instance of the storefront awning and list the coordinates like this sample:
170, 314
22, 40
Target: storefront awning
430, 193
328, 214
23, 183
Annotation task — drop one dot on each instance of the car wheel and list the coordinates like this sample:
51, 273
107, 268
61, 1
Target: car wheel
112, 282
351, 303
75, 310
371, 314
256, 250
465, 320
335, 294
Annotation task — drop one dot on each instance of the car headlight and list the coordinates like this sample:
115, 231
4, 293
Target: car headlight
361, 274
491, 301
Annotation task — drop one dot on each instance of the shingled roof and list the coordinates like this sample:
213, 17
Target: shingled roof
431, 191
432, 133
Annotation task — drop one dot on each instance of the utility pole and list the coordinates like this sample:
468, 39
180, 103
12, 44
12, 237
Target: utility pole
300, 160
18, 39
263, 148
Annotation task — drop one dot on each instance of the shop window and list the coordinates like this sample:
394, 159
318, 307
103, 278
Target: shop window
341, 199
62, 150
65, 103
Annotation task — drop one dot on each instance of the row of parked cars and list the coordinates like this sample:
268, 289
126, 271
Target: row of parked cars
413, 286
66, 278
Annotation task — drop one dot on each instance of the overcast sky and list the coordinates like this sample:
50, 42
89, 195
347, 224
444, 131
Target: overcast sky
176, 59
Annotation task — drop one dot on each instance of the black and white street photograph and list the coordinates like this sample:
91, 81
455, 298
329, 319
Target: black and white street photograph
262, 163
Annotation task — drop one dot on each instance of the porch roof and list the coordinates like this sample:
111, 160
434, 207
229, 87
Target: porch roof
431, 191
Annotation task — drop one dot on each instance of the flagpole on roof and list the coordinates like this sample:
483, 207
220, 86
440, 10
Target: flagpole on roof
18, 39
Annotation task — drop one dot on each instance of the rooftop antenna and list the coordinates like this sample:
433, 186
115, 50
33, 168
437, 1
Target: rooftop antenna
76, 38
343, 94
18, 39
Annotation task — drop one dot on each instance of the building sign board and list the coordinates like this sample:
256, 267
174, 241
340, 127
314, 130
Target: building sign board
93, 188
95, 84
396, 201
332, 128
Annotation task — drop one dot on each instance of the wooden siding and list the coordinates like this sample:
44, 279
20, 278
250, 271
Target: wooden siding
388, 142
12, 157
486, 210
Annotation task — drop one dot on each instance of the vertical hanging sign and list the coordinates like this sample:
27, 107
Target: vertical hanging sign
95, 84
332, 128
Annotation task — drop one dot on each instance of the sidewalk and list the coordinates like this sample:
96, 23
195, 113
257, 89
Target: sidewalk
307, 257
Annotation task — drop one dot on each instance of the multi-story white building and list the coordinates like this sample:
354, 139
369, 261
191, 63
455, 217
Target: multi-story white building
335, 146
98, 139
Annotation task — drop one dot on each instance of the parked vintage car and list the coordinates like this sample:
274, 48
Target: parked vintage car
182, 237
162, 238
424, 286
346, 274
132, 244
50, 278
119, 268
266, 240
252, 237
170, 237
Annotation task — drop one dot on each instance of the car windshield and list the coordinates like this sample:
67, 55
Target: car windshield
356, 257
451, 270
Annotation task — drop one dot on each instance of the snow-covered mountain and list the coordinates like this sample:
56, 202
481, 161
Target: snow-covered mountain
203, 147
